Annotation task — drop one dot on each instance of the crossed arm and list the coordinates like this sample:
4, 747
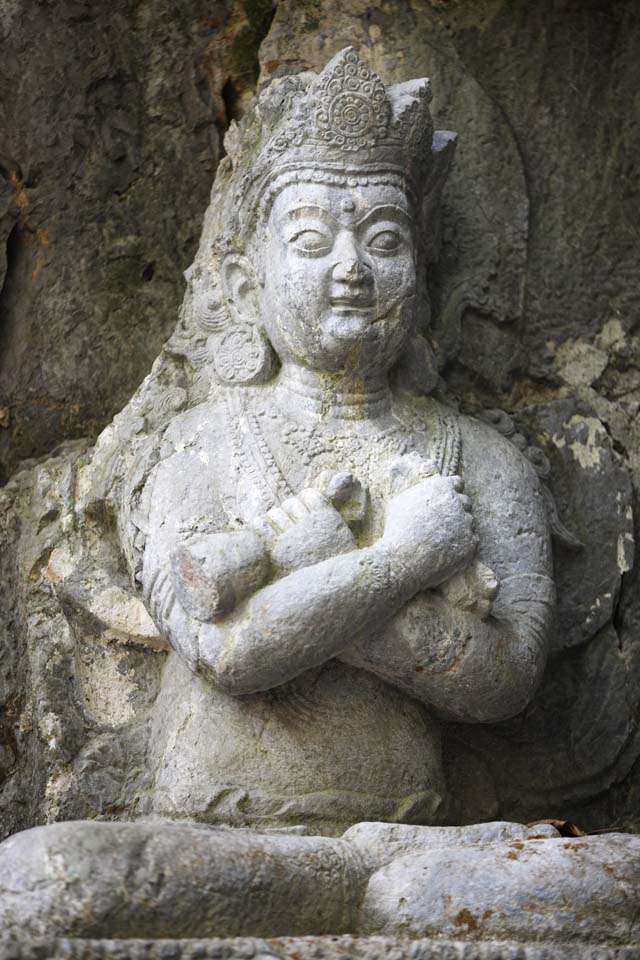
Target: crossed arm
389, 607
439, 648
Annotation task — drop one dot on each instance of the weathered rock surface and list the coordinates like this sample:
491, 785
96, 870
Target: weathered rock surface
306, 948
109, 140
487, 882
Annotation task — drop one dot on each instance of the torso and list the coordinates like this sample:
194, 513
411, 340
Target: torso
338, 745
334, 747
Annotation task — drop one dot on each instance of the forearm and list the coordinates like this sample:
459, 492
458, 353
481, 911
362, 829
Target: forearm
303, 620
465, 668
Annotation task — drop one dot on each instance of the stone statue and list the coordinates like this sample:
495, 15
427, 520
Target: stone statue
337, 560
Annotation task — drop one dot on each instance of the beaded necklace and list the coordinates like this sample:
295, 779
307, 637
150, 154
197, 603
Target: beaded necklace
317, 447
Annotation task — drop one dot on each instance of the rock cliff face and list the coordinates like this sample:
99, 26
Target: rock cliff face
110, 139
112, 125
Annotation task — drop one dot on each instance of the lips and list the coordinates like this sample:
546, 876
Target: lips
352, 303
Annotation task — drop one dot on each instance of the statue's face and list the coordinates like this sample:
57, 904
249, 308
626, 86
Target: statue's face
339, 274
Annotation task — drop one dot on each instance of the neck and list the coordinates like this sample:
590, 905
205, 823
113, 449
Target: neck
333, 396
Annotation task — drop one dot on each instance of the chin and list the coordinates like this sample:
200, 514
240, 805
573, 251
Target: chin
349, 327
356, 354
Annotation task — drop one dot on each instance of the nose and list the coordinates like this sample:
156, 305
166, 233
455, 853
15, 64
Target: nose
350, 271
350, 267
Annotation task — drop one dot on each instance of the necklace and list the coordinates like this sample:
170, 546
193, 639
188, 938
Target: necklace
318, 447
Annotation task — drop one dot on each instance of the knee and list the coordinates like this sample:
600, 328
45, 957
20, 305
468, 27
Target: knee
45, 879
27, 884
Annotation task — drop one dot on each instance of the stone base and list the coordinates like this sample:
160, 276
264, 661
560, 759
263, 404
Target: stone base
308, 948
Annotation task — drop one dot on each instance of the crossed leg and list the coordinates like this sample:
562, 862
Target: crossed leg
164, 879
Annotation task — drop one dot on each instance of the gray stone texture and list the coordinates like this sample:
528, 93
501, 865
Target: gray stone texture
535, 311
304, 948
536, 259
163, 879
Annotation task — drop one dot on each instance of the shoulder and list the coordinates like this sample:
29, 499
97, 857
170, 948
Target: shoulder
492, 465
466, 444
493, 458
193, 453
195, 430
508, 499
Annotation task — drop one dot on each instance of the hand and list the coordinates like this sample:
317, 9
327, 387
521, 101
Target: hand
303, 531
472, 590
428, 526
213, 573
346, 494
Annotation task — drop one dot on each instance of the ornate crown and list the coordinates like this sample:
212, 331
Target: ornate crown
343, 123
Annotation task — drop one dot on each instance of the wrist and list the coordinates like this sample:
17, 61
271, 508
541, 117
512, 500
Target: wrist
402, 571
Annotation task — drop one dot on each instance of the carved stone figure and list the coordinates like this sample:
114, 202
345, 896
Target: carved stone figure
338, 560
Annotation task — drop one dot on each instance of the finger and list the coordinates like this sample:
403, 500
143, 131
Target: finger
426, 469
399, 475
323, 481
487, 580
280, 520
483, 608
264, 528
312, 498
490, 589
295, 508
340, 487
458, 483
471, 526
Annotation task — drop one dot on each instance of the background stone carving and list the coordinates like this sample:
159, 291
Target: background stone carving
112, 142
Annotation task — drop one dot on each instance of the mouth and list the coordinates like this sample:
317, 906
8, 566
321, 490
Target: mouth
351, 305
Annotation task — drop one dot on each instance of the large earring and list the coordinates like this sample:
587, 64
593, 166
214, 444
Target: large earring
242, 355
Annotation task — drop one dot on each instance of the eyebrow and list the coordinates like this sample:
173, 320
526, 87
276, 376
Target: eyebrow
321, 212
390, 209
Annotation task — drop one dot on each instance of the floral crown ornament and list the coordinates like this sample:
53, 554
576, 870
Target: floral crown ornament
341, 126
352, 109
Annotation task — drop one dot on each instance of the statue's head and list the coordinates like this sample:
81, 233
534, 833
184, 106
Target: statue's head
317, 240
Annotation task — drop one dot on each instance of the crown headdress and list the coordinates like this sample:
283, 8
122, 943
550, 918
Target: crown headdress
343, 123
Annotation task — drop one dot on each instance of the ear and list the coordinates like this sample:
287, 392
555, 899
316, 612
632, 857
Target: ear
239, 285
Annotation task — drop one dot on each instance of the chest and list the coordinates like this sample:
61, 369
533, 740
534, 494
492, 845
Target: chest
275, 457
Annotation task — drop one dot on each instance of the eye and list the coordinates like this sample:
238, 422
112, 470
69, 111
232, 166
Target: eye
312, 241
386, 241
